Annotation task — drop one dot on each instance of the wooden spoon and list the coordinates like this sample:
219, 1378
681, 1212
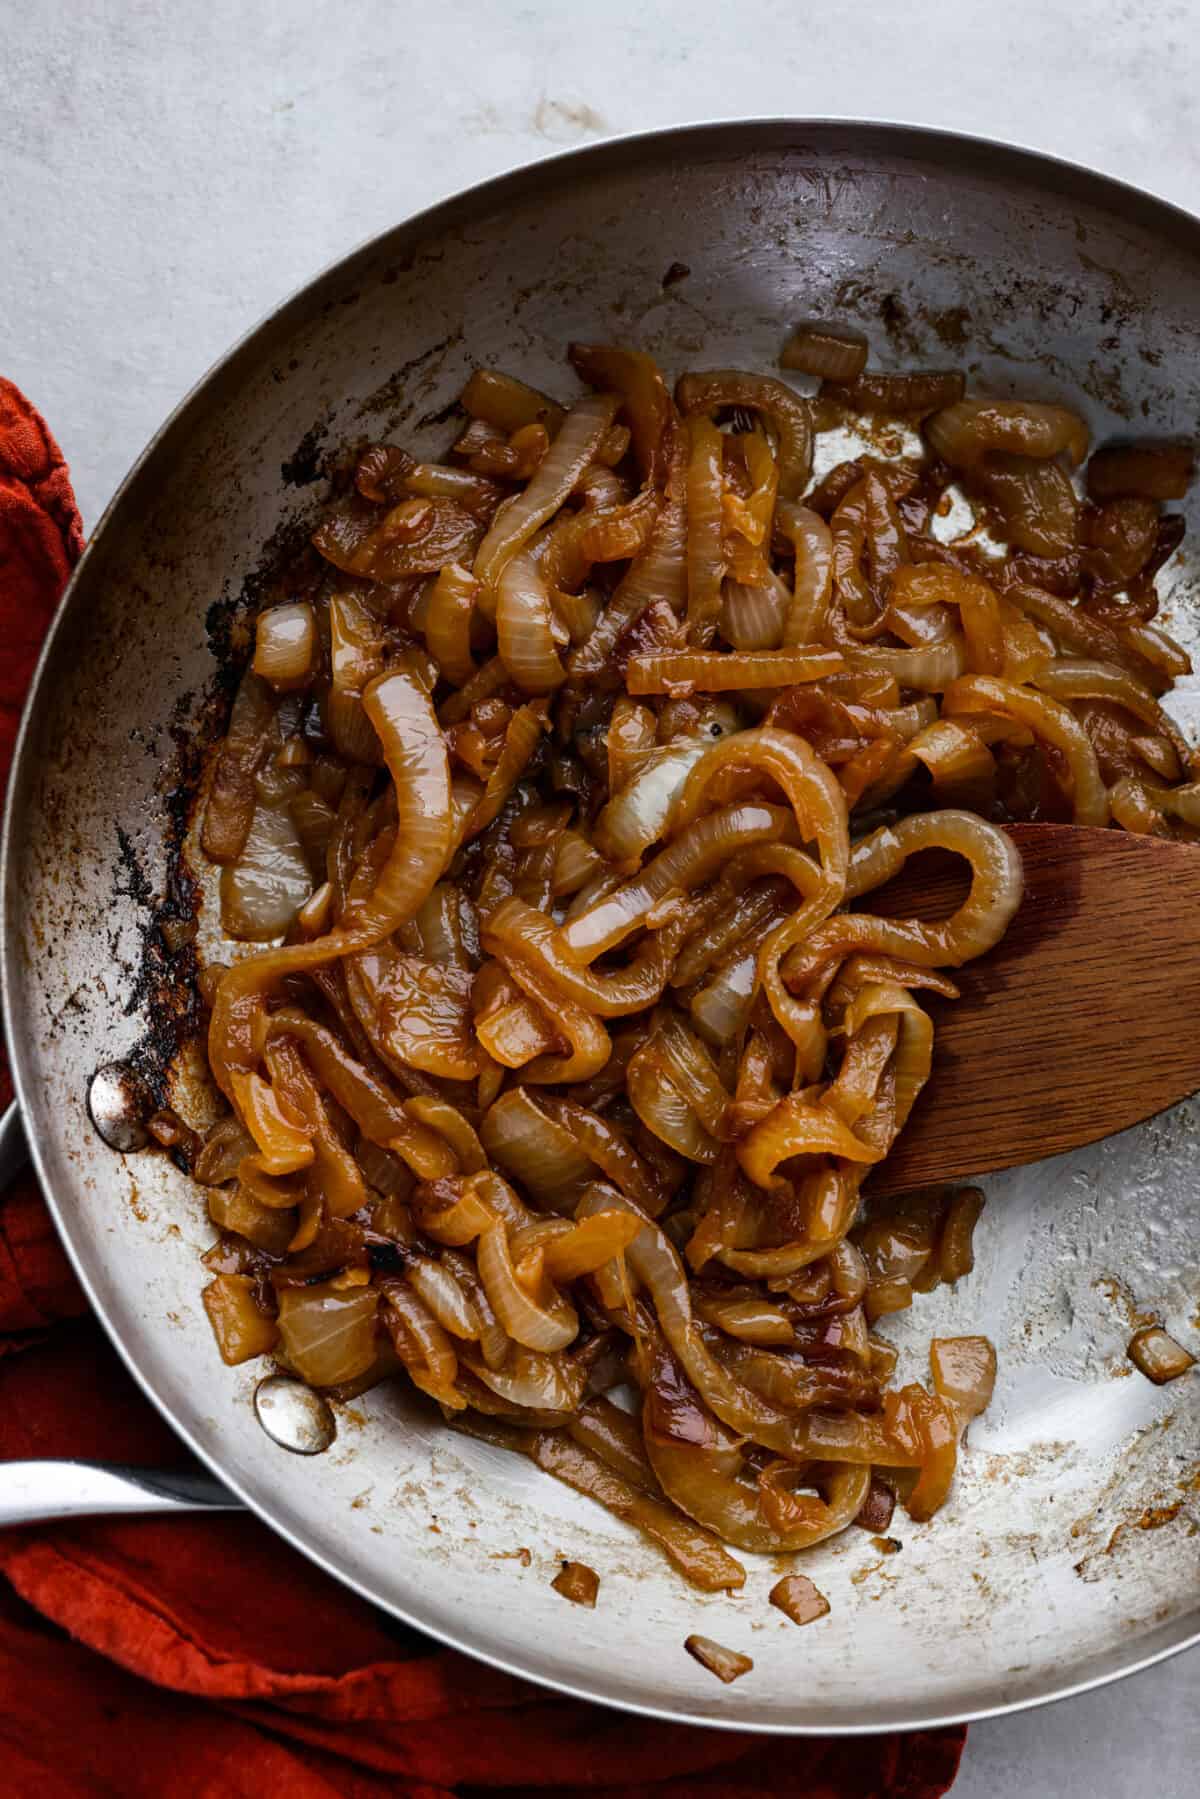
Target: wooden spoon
1083, 1020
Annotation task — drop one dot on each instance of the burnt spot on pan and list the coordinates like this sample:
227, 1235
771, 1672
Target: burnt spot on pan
162, 976
442, 416
306, 463
163, 972
414, 378
288, 566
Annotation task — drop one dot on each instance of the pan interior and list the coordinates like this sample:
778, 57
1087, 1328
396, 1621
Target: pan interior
1069, 1551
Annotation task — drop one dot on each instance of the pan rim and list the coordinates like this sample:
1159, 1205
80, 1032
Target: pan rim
1032, 167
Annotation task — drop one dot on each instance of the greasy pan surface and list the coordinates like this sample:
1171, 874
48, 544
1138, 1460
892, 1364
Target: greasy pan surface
1069, 1552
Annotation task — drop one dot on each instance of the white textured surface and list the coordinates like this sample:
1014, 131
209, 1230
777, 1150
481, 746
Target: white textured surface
169, 172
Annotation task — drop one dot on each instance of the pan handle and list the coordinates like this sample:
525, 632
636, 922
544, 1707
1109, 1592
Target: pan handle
14, 1148
40, 1492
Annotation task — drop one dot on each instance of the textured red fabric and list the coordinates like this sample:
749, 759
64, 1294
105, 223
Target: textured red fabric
158, 1659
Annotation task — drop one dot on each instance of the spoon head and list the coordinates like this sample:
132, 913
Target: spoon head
1078, 1024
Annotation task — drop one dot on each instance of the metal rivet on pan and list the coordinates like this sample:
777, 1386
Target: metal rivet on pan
294, 1416
117, 1104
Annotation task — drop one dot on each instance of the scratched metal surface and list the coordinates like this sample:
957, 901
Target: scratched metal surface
1070, 1551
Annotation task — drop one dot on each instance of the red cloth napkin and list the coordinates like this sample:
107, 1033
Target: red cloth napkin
201, 1656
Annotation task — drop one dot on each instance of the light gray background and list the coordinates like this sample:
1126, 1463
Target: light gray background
169, 171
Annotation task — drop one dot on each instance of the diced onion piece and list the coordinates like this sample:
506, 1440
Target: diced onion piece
799, 1599
327, 1334
1158, 1356
964, 1374
727, 1664
241, 1330
578, 1583
236, 1209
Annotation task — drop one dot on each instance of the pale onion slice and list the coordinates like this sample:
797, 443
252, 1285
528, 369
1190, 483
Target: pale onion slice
264, 889
285, 639
327, 1335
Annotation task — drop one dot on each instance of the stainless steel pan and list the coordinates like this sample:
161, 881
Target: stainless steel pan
1070, 1551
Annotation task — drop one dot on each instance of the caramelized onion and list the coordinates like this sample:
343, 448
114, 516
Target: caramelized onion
241, 1330
448, 622
831, 352
657, 573
914, 394
1158, 1356
637, 815
507, 403
964, 433
798, 1599
635, 376
528, 1145
788, 415
1150, 471
705, 522
231, 797
727, 1664
264, 889
683, 671
808, 613
524, 628
1049, 720
284, 645
964, 1374
573, 448
592, 950
327, 1335
1035, 500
